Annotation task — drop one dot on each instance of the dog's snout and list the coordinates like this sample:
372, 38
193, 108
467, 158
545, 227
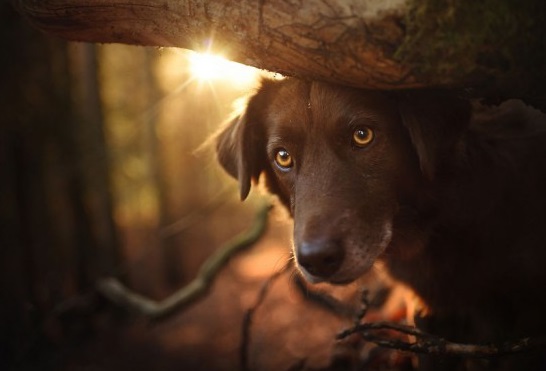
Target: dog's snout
322, 258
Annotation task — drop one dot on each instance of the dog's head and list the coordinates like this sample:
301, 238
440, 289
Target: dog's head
343, 161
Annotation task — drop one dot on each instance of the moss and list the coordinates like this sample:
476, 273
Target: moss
492, 38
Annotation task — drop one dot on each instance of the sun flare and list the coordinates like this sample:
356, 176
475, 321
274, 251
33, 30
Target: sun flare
208, 67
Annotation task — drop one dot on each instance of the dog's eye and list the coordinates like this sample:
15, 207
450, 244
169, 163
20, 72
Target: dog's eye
284, 159
362, 137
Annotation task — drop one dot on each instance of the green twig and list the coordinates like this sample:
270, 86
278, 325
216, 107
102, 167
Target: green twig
115, 291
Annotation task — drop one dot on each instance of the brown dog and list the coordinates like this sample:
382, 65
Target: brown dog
450, 196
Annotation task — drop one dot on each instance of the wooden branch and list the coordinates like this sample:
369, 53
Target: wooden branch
365, 43
116, 292
249, 316
431, 344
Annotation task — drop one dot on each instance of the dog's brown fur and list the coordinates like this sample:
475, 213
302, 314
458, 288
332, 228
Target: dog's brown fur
450, 195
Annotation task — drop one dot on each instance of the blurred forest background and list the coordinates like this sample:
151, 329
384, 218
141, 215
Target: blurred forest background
103, 174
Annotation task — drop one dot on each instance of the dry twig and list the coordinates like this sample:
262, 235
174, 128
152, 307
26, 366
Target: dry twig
249, 315
119, 294
431, 344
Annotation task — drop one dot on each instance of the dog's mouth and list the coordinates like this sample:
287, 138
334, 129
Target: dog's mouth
359, 255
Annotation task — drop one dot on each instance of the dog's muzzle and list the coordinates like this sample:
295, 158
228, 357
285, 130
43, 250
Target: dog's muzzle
341, 261
321, 258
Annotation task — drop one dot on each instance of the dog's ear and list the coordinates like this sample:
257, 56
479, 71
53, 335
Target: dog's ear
435, 120
240, 147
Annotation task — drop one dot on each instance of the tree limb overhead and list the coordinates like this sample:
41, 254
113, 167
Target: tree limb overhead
493, 46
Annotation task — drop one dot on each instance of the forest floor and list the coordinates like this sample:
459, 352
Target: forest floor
288, 331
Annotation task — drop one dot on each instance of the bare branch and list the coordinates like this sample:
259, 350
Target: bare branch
116, 292
431, 344
249, 315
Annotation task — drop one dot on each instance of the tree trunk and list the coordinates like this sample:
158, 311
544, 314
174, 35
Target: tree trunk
489, 45
56, 232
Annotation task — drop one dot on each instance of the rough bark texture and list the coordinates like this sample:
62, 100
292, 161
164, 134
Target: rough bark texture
489, 45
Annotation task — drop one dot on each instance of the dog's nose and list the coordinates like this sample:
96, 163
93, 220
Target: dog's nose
320, 258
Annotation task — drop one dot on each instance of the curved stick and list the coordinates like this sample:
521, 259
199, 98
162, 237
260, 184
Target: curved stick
115, 291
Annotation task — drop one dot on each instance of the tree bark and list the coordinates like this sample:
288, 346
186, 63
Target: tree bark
489, 45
